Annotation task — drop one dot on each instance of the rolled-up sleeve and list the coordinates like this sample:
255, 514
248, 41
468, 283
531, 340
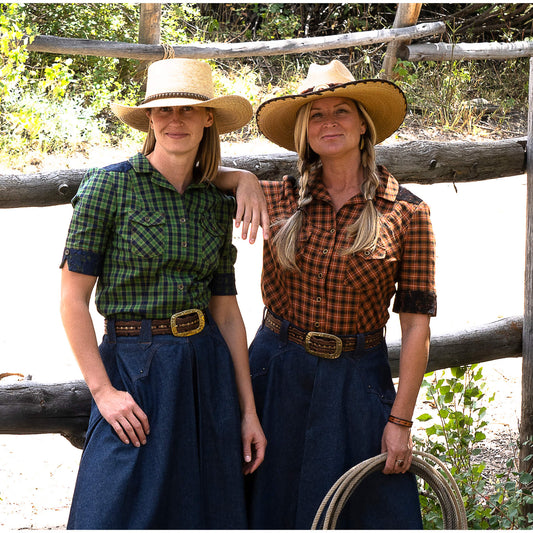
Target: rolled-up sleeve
90, 225
416, 275
223, 282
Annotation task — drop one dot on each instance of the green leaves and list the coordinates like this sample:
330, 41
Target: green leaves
453, 433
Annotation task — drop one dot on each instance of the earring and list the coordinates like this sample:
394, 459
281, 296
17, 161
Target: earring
362, 143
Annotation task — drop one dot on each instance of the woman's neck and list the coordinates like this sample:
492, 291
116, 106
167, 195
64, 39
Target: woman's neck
177, 170
343, 175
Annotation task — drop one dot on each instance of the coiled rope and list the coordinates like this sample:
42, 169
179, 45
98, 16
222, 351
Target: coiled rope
451, 502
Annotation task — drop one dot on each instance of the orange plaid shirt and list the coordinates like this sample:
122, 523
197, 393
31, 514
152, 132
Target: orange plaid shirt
345, 295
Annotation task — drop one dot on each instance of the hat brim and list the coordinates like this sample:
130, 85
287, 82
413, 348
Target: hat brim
384, 102
232, 112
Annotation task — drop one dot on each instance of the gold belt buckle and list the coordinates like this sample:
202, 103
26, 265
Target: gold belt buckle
316, 334
174, 326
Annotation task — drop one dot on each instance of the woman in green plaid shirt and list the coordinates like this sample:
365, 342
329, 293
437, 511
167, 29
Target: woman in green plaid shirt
173, 424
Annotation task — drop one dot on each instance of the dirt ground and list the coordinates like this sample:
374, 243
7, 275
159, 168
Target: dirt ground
480, 231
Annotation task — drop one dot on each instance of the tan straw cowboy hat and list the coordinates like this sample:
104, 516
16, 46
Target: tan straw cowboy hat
383, 101
185, 82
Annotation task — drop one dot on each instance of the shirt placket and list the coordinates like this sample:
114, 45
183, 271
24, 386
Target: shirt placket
324, 256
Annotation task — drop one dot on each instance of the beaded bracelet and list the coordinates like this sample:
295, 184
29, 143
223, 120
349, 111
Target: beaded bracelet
400, 421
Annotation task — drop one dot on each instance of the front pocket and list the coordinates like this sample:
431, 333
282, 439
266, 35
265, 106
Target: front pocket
371, 271
146, 232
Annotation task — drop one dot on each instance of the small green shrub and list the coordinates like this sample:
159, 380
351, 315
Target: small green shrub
453, 433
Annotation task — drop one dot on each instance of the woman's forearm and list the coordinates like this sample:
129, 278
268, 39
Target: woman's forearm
226, 313
413, 362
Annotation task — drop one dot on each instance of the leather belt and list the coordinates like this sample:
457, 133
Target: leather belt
323, 344
182, 324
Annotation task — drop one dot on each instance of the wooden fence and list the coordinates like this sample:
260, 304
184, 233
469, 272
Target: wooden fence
35, 408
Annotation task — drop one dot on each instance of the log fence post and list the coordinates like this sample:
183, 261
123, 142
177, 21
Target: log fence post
406, 15
526, 418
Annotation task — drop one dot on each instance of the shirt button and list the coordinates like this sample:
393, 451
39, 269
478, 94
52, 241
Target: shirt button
67, 252
183, 220
147, 219
332, 230
320, 276
325, 251
319, 299
317, 325
180, 287
184, 244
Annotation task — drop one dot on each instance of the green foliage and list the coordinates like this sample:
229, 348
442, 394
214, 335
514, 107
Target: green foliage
440, 93
453, 433
13, 54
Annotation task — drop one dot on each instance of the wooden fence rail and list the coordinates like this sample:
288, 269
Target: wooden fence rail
151, 52
448, 52
411, 162
31, 408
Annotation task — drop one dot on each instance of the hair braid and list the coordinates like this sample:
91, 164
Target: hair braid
365, 230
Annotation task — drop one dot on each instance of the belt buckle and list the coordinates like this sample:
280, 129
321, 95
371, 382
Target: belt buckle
174, 326
338, 344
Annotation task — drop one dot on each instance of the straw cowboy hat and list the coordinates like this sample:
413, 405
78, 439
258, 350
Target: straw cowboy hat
185, 82
383, 101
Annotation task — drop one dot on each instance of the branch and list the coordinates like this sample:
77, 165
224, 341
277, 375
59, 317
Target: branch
146, 52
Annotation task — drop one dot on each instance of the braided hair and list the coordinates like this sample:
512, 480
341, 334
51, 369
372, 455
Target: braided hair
365, 230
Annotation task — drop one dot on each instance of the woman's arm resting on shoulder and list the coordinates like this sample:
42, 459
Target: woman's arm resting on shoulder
228, 317
251, 204
117, 407
414, 353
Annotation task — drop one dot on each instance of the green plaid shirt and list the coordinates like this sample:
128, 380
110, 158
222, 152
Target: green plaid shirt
155, 251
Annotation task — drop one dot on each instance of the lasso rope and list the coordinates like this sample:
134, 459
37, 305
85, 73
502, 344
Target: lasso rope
451, 502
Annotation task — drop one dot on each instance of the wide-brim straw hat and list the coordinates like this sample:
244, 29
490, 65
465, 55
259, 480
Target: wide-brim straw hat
185, 82
384, 102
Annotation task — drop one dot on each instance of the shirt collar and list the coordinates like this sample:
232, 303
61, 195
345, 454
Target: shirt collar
141, 165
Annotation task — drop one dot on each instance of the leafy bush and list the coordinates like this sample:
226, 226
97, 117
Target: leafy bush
439, 93
453, 433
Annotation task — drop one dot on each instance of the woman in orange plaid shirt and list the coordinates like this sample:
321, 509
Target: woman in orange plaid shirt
346, 238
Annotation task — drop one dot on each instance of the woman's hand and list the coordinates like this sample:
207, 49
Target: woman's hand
124, 415
253, 443
251, 207
398, 445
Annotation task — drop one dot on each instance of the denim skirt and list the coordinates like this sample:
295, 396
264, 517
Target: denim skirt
321, 417
189, 474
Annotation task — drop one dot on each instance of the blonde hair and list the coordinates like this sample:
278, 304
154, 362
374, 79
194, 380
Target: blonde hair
365, 230
208, 156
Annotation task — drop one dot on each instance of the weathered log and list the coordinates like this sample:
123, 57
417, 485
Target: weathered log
64, 45
526, 426
149, 31
30, 408
455, 52
410, 162
406, 15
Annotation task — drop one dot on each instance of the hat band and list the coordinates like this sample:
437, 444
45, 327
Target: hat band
161, 96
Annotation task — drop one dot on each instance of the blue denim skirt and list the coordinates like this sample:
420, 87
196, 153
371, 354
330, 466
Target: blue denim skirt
321, 417
189, 474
